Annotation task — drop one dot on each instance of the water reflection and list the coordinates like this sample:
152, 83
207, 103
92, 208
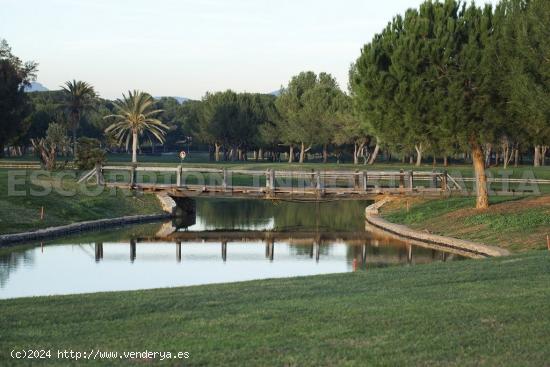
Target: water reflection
228, 241
361, 248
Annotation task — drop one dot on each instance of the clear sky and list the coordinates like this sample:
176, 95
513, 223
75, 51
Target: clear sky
187, 47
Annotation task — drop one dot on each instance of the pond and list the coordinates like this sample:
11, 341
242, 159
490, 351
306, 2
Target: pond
226, 241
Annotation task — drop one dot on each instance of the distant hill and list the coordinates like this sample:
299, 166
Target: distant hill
36, 87
179, 99
276, 93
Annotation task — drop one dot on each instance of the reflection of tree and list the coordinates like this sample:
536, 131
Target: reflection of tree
309, 250
324, 216
390, 254
11, 261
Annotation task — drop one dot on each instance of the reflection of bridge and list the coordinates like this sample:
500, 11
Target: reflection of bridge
311, 242
304, 185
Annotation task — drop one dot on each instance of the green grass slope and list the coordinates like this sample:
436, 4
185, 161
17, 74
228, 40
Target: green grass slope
490, 313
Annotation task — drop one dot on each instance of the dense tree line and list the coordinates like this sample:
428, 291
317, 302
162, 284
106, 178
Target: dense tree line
450, 77
448, 80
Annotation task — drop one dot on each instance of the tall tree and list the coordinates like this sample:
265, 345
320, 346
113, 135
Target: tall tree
308, 106
14, 107
524, 64
135, 117
428, 79
79, 96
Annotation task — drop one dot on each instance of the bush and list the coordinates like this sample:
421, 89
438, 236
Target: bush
89, 153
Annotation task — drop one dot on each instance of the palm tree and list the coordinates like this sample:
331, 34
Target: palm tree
79, 96
135, 116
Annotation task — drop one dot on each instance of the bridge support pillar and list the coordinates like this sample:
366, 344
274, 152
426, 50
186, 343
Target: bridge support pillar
365, 187
411, 180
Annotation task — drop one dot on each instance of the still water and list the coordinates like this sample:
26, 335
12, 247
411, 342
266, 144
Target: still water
226, 241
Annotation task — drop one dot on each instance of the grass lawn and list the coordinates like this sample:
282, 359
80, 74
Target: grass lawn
492, 312
517, 224
22, 212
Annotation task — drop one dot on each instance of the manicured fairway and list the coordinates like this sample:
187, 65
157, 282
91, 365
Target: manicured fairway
491, 312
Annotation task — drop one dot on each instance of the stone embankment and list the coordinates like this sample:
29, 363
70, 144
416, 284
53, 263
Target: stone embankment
466, 248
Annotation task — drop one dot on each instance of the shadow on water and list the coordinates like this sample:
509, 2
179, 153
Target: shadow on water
223, 241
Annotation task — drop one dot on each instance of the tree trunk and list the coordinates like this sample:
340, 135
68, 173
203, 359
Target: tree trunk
544, 149
134, 146
302, 152
418, 149
291, 153
516, 157
217, 152
261, 154
536, 157
478, 160
445, 161
374, 154
2, 146
325, 153
74, 142
488, 149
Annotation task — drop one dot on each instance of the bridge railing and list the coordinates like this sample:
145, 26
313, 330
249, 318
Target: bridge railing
270, 180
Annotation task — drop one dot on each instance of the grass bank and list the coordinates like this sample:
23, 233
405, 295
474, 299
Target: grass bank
492, 312
517, 224
64, 201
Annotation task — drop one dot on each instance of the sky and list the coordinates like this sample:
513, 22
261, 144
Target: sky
188, 47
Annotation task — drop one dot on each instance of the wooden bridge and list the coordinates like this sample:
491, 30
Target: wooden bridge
272, 184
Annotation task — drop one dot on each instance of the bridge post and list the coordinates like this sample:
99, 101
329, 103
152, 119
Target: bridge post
99, 174
133, 177
178, 176
434, 179
270, 180
178, 251
318, 184
411, 180
365, 181
224, 182
356, 180
444, 183
401, 179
